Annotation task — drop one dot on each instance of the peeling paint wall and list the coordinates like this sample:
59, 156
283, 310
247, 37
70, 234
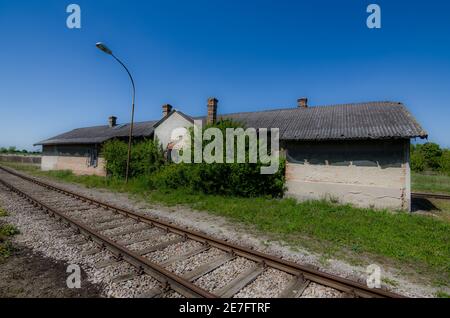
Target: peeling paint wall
78, 165
364, 173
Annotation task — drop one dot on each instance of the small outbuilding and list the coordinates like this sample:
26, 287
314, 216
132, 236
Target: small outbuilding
353, 153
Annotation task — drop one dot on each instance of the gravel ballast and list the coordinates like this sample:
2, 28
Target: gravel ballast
223, 275
41, 237
222, 229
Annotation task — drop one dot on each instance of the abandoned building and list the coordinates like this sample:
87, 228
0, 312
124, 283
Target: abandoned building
354, 153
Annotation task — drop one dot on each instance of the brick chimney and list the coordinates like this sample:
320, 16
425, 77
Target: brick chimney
112, 121
167, 108
302, 102
212, 110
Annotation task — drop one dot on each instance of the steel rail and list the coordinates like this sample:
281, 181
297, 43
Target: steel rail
164, 276
343, 284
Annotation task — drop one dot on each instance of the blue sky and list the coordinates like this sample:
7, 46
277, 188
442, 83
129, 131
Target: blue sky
251, 55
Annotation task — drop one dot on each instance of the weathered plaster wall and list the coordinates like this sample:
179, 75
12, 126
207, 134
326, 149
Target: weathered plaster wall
362, 173
78, 165
173, 127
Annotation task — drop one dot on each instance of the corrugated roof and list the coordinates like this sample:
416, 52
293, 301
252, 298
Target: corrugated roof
99, 134
373, 120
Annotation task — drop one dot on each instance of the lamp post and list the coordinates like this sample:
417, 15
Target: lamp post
106, 50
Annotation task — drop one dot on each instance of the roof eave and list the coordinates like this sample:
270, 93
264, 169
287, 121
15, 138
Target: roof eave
188, 118
421, 136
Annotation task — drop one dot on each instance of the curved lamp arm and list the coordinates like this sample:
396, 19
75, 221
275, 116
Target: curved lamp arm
106, 50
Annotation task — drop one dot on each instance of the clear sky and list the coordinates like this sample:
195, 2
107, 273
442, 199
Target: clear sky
251, 55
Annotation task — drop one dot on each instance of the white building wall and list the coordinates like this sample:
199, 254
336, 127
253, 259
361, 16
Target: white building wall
172, 128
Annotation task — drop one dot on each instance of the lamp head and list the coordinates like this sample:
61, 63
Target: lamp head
103, 47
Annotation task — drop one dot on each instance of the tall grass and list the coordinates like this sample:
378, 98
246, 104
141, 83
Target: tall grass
431, 183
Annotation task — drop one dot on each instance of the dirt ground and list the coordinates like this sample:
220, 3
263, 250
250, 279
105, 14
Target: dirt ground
28, 275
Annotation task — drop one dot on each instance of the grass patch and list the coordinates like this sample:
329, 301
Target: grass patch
430, 183
6, 247
441, 294
389, 281
8, 230
3, 213
328, 228
442, 210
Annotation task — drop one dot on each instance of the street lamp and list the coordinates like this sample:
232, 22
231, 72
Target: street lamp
106, 50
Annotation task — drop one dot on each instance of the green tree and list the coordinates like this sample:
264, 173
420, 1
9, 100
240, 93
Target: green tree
432, 154
417, 160
445, 161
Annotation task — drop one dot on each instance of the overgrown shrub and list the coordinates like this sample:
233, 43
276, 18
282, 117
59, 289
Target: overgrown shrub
174, 176
238, 179
115, 154
146, 158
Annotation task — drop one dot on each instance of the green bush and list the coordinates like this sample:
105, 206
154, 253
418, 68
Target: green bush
115, 154
146, 158
242, 179
417, 161
445, 162
174, 176
237, 179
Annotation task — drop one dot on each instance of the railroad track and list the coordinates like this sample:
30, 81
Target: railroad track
133, 237
423, 195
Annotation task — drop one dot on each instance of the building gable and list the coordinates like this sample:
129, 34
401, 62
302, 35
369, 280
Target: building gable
174, 126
